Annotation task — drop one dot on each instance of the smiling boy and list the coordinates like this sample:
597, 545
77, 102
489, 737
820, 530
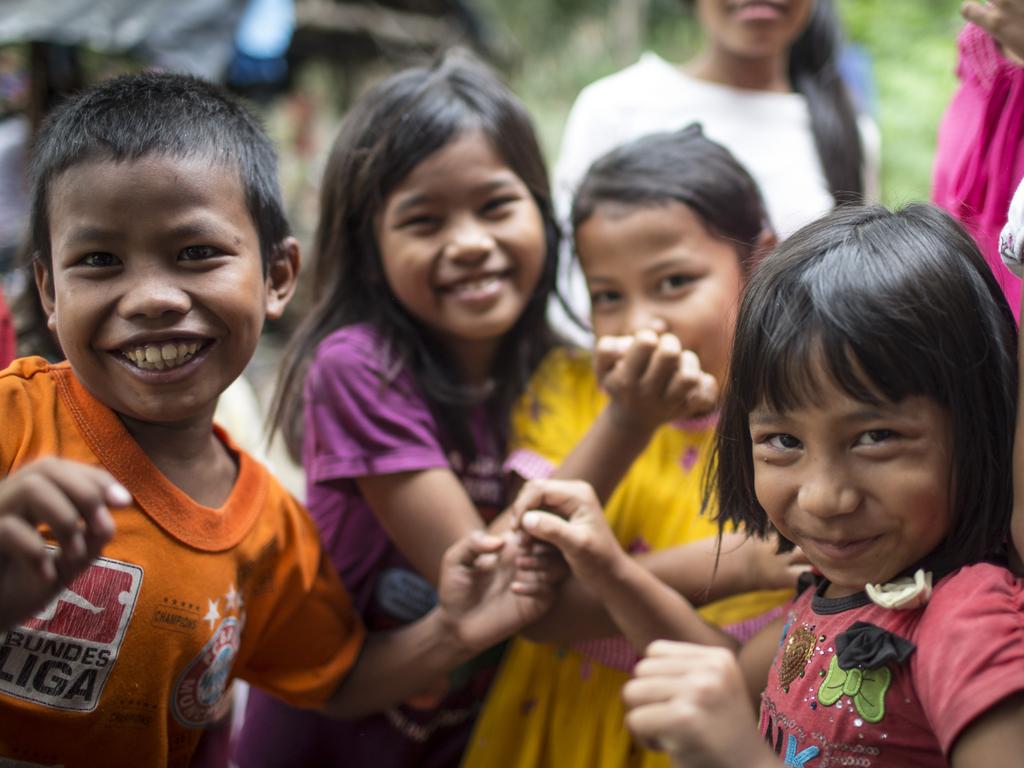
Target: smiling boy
160, 249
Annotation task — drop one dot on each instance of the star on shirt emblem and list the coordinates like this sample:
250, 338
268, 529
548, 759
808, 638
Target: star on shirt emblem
232, 599
213, 614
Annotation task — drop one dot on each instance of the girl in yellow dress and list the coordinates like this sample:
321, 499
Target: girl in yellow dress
666, 229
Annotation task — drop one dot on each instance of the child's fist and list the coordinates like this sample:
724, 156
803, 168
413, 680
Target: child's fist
71, 502
652, 380
691, 701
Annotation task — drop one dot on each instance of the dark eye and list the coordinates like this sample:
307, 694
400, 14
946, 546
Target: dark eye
100, 259
672, 283
783, 441
423, 222
198, 253
498, 205
604, 298
876, 436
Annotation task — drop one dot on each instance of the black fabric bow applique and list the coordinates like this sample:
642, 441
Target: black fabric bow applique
867, 646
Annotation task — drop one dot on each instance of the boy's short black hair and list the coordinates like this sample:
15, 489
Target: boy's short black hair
894, 304
151, 113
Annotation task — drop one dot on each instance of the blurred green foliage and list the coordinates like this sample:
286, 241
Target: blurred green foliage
562, 45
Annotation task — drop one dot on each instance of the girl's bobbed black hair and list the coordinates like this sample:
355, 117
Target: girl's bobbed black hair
893, 304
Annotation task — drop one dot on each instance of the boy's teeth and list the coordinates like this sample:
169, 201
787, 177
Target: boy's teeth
157, 357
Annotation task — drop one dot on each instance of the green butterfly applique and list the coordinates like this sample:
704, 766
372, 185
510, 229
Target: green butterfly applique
866, 687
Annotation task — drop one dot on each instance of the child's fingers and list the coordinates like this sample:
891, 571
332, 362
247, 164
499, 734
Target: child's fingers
542, 549
676, 661
530, 563
650, 723
704, 395
1003, 21
692, 387
552, 529
560, 497
42, 502
664, 366
639, 691
89, 491
698, 393
530, 588
670, 649
689, 365
19, 540
686, 375
552, 566
466, 551
530, 495
608, 351
536, 580
486, 562
536, 559
643, 690
985, 15
99, 535
636, 359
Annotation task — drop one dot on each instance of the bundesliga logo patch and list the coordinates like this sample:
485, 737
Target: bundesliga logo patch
63, 656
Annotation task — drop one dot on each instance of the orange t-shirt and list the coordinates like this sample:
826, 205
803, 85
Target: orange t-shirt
137, 654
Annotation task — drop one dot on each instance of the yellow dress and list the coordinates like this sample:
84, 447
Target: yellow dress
562, 707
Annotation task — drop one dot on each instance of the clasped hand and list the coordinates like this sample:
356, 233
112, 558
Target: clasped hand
652, 380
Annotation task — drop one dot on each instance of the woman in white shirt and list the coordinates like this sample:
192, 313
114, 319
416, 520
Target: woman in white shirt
765, 85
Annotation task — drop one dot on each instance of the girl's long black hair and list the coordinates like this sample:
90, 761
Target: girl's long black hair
893, 305
814, 73
388, 132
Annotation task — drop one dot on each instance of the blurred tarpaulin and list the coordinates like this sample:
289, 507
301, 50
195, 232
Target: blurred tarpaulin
194, 36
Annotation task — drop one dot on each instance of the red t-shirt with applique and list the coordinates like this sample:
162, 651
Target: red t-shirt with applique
137, 654
966, 654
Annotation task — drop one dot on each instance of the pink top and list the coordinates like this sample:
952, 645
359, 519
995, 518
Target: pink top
980, 155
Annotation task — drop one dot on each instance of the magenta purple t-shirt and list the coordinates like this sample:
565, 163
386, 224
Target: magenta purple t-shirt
364, 417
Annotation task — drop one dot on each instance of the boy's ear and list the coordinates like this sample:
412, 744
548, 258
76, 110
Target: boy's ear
44, 284
282, 276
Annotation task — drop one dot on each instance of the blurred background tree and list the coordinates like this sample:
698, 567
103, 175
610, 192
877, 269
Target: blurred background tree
559, 46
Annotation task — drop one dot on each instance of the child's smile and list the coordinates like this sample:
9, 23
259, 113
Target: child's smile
863, 489
162, 355
158, 293
462, 247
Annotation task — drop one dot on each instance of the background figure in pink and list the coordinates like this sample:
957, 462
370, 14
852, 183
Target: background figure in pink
980, 155
6, 334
